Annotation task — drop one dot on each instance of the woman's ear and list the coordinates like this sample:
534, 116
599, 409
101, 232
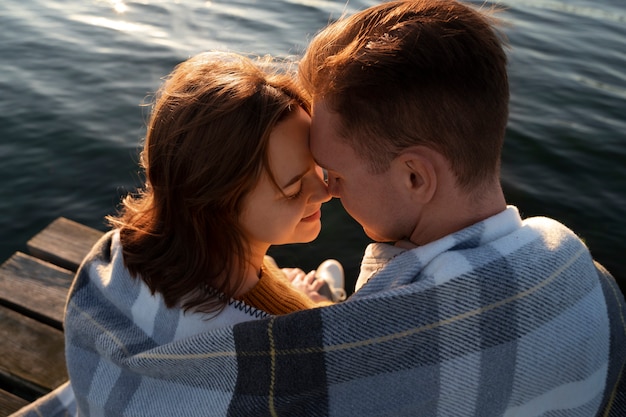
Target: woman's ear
416, 167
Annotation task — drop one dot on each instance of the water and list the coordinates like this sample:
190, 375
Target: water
74, 76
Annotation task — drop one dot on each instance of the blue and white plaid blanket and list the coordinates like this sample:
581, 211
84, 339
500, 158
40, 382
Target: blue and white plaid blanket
504, 318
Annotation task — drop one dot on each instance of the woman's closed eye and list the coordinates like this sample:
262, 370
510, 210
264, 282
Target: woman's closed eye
295, 195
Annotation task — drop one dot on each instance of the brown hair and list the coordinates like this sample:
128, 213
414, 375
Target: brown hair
423, 72
205, 149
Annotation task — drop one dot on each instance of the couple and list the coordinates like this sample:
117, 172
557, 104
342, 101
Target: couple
466, 310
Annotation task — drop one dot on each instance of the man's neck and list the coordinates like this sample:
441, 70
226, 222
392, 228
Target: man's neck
449, 215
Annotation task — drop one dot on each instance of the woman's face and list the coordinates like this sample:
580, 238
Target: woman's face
272, 217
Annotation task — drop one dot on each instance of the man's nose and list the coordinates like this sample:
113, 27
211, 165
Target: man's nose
333, 189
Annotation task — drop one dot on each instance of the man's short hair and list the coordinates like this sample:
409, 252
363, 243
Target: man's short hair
423, 72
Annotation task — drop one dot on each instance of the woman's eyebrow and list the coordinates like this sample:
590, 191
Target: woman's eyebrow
294, 180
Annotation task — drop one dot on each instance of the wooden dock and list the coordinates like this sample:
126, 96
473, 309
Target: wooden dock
33, 290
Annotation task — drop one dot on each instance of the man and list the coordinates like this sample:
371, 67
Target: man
475, 312
409, 114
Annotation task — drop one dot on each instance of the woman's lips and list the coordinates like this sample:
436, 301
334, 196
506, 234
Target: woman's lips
313, 217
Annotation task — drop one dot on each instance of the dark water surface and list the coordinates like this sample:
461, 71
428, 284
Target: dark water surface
74, 75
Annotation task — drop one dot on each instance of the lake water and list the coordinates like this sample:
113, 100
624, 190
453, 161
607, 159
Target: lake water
75, 73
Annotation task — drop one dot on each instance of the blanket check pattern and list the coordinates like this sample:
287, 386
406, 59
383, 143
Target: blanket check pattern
505, 318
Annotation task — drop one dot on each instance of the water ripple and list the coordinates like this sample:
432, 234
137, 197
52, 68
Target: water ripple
604, 13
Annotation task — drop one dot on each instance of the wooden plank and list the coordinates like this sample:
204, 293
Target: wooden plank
35, 288
64, 243
33, 357
10, 403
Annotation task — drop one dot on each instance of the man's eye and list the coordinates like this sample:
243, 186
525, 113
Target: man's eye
325, 175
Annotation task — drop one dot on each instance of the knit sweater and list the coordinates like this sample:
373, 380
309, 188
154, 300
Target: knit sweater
507, 317
275, 295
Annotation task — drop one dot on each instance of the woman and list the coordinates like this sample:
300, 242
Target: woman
228, 173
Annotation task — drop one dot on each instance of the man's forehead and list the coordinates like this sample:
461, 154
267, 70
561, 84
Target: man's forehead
323, 133
324, 111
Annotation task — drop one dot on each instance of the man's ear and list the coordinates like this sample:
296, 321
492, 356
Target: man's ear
416, 167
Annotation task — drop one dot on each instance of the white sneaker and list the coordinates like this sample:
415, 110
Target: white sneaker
331, 271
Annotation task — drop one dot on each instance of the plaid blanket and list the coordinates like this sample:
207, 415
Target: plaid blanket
505, 318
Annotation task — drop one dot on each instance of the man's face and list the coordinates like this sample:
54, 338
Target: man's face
371, 199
